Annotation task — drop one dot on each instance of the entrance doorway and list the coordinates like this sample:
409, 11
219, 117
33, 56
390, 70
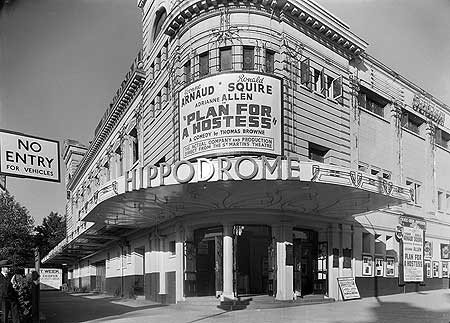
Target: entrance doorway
139, 279
306, 263
208, 261
252, 259
100, 276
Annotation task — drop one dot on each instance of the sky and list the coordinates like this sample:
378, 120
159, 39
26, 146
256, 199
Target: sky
61, 61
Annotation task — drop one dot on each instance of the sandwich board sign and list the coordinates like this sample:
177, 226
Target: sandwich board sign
348, 287
28, 156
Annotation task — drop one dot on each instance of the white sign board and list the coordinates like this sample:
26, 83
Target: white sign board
231, 113
413, 254
348, 288
28, 156
50, 278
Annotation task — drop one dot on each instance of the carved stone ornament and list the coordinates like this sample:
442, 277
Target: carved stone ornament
225, 32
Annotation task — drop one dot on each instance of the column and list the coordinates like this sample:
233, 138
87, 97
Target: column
396, 135
162, 267
429, 189
179, 252
334, 244
346, 240
285, 269
357, 251
227, 262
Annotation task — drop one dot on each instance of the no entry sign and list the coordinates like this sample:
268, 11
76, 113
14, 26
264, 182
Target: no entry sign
28, 156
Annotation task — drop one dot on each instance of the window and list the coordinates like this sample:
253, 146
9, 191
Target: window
442, 138
387, 175
379, 244
187, 71
119, 161
440, 200
305, 73
390, 251
270, 61
161, 16
317, 152
374, 171
172, 247
329, 87
106, 171
447, 198
366, 242
204, 63
249, 58
135, 145
225, 58
316, 80
416, 188
371, 101
411, 122
363, 168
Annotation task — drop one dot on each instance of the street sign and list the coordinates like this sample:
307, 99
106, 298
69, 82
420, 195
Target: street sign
28, 156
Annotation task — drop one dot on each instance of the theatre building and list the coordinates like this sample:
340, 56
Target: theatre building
254, 147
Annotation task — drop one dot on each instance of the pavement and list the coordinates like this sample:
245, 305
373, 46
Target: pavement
421, 307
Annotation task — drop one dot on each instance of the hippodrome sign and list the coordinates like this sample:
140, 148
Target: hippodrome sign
229, 114
29, 157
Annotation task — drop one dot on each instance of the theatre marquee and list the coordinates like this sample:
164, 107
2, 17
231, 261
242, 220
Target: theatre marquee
231, 113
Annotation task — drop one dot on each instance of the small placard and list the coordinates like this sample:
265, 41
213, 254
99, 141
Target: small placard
348, 287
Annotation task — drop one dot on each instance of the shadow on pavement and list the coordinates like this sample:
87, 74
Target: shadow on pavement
387, 311
59, 307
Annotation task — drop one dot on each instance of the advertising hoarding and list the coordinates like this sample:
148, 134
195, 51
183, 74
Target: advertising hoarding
29, 157
231, 113
413, 248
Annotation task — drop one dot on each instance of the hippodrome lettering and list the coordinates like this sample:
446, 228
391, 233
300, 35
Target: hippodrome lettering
222, 168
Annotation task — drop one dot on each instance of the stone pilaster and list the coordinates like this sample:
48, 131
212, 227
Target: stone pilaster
429, 189
396, 135
285, 272
227, 262
354, 122
179, 252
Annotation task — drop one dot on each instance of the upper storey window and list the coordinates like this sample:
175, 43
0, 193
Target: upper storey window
442, 138
411, 122
204, 64
371, 101
161, 16
319, 81
187, 71
134, 146
225, 58
270, 61
249, 58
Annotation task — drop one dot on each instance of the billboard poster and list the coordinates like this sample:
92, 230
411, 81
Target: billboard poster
428, 250
29, 157
390, 266
413, 248
445, 251
231, 113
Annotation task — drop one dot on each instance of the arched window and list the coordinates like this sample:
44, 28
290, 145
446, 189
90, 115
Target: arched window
161, 16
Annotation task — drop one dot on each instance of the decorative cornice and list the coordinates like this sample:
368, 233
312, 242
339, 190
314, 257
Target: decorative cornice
131, 85
306, 13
